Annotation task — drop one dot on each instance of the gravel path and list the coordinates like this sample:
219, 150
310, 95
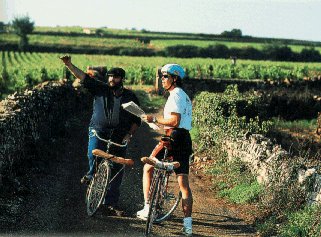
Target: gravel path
53, 203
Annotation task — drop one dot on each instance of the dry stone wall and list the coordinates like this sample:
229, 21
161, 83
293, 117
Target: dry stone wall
266, 160
28, 118
270, 163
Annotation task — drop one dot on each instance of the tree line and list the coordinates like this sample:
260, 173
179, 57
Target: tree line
272, 52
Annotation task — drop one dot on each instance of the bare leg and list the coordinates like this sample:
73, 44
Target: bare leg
187, 198
147, 178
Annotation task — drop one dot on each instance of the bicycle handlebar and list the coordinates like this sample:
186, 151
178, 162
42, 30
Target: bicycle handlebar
109, 141
116, 159
169, 166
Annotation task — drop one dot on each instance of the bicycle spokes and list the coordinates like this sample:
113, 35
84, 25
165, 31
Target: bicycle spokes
97, 188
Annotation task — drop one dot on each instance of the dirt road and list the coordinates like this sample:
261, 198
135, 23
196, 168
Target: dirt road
53, 203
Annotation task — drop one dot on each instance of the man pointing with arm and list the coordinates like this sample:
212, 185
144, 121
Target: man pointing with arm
110, 121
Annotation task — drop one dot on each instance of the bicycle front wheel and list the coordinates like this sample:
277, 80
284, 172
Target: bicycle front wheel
154, 195
97, 188
169, 199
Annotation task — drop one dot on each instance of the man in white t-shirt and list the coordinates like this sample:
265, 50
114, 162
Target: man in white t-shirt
177, 122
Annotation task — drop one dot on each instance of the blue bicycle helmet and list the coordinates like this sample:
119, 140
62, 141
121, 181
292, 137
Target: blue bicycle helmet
173, 69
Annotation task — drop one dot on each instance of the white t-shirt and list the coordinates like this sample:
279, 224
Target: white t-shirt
179, 102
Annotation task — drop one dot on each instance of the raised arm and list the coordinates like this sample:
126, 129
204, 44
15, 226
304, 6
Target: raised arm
78, 73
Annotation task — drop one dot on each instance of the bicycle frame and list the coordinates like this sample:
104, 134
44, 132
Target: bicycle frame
159, 196
159, 173
108, 142
101, 180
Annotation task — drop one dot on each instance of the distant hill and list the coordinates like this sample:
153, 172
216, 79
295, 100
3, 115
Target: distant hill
118, 33
148, 43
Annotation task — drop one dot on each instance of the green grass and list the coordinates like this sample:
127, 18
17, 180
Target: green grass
163, 43
295, 125
303, 223
234, 181
158, 44
65, 29
171, 35
243, 193
74, 41
159, 40
111, 31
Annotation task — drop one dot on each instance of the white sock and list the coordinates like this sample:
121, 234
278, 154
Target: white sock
146, 206
188, 222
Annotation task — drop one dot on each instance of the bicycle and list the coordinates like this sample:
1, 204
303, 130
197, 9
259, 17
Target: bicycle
98, 186
163, 196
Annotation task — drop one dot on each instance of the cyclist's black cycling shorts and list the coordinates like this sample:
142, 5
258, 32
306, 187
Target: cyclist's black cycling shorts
181, 149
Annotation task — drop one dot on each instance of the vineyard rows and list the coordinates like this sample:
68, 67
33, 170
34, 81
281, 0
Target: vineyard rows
20, 70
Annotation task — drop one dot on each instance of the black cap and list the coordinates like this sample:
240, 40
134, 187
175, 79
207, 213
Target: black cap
117, 71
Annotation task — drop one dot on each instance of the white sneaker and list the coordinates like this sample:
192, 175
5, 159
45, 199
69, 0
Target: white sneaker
187, 231
143, 214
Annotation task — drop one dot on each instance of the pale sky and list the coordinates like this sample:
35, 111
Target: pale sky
293, 19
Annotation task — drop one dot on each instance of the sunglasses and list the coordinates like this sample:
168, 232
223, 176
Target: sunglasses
165, 76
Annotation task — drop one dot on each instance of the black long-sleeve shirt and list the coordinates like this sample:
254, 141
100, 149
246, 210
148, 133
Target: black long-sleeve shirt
103, 117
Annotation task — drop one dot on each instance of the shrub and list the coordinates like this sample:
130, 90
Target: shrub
268, 228
234, 180
304, 223
243, 193
277, 52
310, 55
231, 113
182, 51
215, 51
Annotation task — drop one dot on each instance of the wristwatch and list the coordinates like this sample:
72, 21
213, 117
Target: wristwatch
154, 119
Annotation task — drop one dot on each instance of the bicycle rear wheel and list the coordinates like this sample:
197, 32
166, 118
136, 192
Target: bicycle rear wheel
169, 199
97, 188
154, 195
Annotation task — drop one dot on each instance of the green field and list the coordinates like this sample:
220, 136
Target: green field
20, 70
80, 41
161, 44
157, 44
